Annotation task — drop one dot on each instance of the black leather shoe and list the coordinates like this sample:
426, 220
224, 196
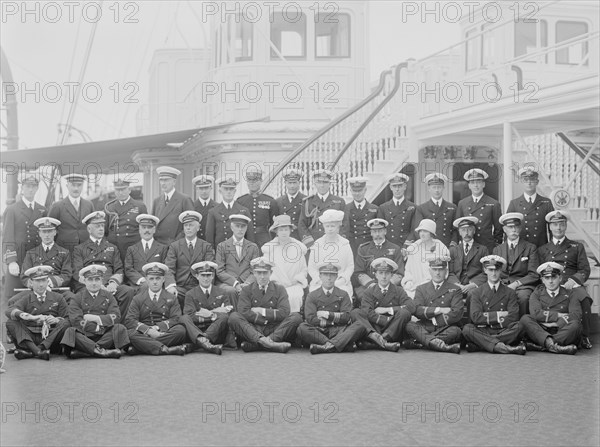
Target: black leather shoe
585, 343
75, 354
365, 345
205, 344
454, 348
189, 347
472, 347
534, 347
21, 354
274, 346
439, 345
249, 347
411, 344
174, 350
382, 343
502, 348
44, 354
322, 349
107, 353
559, 349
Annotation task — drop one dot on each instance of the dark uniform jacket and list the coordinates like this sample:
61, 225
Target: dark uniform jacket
545, 309
71, 231
400, 219
571, 255
312, 209
104, 305
467, 269
427, 299
169, 228
522, 263
368, 252
19, 234
354, 227
275, 301
292, 209
180, 260
443, 217
196, 299
203, 210
106, 254
488, 231
218, 226
395, 297
486, 304
338, 305
28, 302
122, 228
263, 208
144, 312
230, 267
58, 258
534, 225
135, 259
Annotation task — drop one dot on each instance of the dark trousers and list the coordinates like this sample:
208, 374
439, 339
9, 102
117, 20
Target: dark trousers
394, 327
148, 345
215, 331
341, 337
586, 309
567, 335
523, 294
10, 284
487, 337
284, 331
114, 337
22, 333
424, 332
124, 294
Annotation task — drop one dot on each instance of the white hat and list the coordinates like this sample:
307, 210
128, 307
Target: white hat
427, 225
475, 174
167, 171
147, 219
435, 177
398, 179
94, 217
203, 180
511, 219
331, 216
46, 222
189, 216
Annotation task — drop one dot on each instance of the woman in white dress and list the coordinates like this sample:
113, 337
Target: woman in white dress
289, 258
332, 248
419, 253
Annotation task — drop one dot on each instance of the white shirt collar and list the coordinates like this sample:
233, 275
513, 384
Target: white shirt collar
49, 247
27, 202
515, 242
75, 201
323, 197
170, 194
436, 202
148, 243
228, 205
497, 285
361, 204
558, 241
40, 297
532, 197
126, 200
476, 198
291, 198
204, 202
327, 290
94, 240
206, 291
436, 284
398, 202
193, 242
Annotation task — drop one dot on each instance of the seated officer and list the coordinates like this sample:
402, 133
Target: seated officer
554, 322
571, 255
494, 314
94, 316
263, 318
439, 308
328, 326
519, 273
465, 266
143, 252
38, 318
153, 317
385, 309
377, 248
49, 253
206, 310
98, 251
357, 214
185, 252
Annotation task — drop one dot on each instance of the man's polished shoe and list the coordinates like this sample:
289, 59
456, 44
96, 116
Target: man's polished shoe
559, 349
439, 345
107, 353
534, 347
322, 349
382, 343
205, 344
585, 343
75, 354
190, 347
22, 354
365, 345
502, 348
249, 347
409, 343
274, 346
44, 354
172, 350
472, 347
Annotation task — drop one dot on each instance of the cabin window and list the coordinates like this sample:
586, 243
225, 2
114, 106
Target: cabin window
526, 38
288, 34
243, 39
488, 45
471, 52
573, 54
216, 52
332, 35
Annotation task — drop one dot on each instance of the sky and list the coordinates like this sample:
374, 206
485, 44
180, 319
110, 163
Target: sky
45, 49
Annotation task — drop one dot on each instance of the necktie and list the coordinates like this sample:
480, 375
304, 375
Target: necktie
47, 249
76, 204
43, 298
328, 294
378, 247
512, 246
467, 248
31, 206
155, 297
264, 290
98, 243
238, 248
145, 247
384, 291
166, 200
190, 247
530, 200
476, 200
122, 203
495, 288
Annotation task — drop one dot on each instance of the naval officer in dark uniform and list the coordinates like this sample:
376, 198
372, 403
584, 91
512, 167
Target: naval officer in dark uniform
399, 212
439, 210
290, 202
204, 202
357, 213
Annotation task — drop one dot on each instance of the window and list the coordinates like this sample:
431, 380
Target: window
574, 53
526, 38
488, 45
216, 49
288, 34
332, 35
243, 39
471, 53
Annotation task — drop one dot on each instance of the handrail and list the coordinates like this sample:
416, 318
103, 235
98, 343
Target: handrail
579, 151
325, 129
373, 114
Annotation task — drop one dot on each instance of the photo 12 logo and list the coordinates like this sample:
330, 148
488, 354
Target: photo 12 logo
69, 12
54, 92
454, 12
71, 412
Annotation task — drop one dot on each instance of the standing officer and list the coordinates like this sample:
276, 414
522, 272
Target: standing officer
310, 227
399, 212
19, 233
204, 203
153, 317
218, 226
571, 255
377, 248
494, 314
169, 205
357, 213
38, 318
439, 308
486, 209
554, 322
97, 250
94, 316
290, 203
439, 210
385, 309
70, 211
263, 208
519, 273
145, 251
263, 319
122, 229
534, 208
185, 252
328, 327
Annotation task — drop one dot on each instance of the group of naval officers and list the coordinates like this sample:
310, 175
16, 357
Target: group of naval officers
256, 273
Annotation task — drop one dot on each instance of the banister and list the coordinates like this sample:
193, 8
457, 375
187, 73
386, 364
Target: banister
579, 151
